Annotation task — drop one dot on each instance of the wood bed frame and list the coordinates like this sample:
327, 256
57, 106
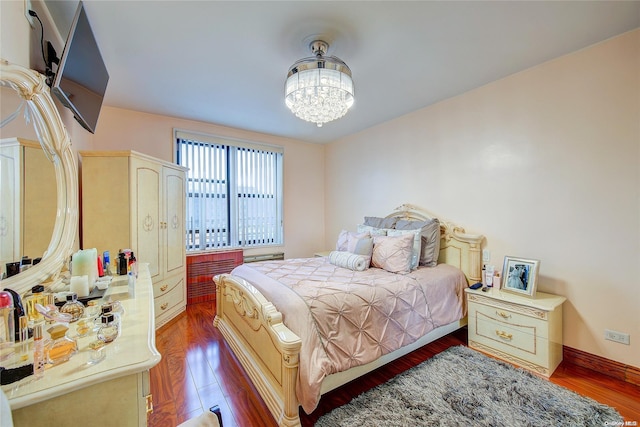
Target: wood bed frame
269, 351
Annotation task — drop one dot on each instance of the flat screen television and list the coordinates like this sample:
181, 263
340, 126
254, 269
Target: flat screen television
81, 78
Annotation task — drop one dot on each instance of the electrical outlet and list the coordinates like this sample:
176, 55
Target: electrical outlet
27, 8
615, 336
486, 255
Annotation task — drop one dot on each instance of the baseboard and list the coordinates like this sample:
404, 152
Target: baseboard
611, 368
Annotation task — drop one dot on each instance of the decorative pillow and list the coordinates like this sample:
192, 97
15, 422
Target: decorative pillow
348, 260
343, 238
430, 231
417, 244
361, 246
377, 222
373, 231
393, 253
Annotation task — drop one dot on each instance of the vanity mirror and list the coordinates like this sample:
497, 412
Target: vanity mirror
45, 125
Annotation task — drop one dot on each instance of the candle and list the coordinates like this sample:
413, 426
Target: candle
80, 285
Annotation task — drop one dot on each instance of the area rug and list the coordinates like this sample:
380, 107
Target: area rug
461, 387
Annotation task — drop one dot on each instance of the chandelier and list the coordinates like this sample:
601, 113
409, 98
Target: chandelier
319, 88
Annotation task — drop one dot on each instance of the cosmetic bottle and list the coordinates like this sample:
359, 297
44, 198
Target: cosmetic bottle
73, 307
38, 295
133, 265
109, 329
61, 347
7, 328
106, 262
122, 264
23, 346
38, 351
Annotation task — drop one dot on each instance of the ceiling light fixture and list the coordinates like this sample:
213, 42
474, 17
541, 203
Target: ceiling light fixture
319, 89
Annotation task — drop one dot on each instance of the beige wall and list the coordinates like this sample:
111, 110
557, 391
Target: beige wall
120, 129
544, 163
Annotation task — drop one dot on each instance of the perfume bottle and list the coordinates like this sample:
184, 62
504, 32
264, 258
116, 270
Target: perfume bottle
38, 295
110, 328
38, 351
61, 347
73, 307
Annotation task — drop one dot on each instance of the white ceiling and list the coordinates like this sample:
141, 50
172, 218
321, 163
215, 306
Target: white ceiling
226, 62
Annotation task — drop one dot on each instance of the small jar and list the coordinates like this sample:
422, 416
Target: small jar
61, 347
110, 328
73, 307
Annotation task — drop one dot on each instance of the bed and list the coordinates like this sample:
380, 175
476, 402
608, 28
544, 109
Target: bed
292, 365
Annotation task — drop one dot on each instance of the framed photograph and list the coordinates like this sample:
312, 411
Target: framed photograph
520, 276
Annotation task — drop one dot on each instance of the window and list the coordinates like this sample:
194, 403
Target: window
234, 192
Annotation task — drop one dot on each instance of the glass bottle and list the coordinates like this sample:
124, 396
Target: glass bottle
38, 295
110, 328
38, 351
61, 347
73, 307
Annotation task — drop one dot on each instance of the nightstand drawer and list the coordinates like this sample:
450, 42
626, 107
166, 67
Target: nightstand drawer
510, 319
517, 340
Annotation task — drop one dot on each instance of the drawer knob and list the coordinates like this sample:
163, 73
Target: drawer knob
164, 306
504, 335
164, 288
503, 314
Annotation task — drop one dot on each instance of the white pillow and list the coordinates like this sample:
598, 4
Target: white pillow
393, 253
373, 231
348, 260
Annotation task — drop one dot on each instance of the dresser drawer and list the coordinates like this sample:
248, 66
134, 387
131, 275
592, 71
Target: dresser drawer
167, 286
173, 295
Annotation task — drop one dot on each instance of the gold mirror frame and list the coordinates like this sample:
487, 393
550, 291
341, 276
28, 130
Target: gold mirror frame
55, 142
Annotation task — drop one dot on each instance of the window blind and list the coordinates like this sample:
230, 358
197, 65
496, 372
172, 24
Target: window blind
234, 192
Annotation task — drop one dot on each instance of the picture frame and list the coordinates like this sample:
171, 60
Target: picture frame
520, 276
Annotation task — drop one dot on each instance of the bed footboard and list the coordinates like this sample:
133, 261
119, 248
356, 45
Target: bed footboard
265, 347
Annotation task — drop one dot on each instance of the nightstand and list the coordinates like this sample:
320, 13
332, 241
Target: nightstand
520, 330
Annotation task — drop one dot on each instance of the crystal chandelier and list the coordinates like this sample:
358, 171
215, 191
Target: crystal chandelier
319, 89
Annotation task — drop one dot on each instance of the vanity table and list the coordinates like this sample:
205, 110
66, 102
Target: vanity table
116, 390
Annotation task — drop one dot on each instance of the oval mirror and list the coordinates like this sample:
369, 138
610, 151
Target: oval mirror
36, 105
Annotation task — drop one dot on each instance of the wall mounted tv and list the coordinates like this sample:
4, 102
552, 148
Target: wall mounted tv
81, 79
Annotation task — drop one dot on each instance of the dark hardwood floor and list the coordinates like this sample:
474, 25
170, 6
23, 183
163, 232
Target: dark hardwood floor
198, 370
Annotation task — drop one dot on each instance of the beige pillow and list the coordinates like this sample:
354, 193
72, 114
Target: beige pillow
393, 253
417, 244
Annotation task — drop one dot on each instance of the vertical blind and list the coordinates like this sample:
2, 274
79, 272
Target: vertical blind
234, 192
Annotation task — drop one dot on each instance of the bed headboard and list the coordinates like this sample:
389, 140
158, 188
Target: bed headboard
457, 247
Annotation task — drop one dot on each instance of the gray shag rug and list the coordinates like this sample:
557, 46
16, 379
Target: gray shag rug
461, 387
